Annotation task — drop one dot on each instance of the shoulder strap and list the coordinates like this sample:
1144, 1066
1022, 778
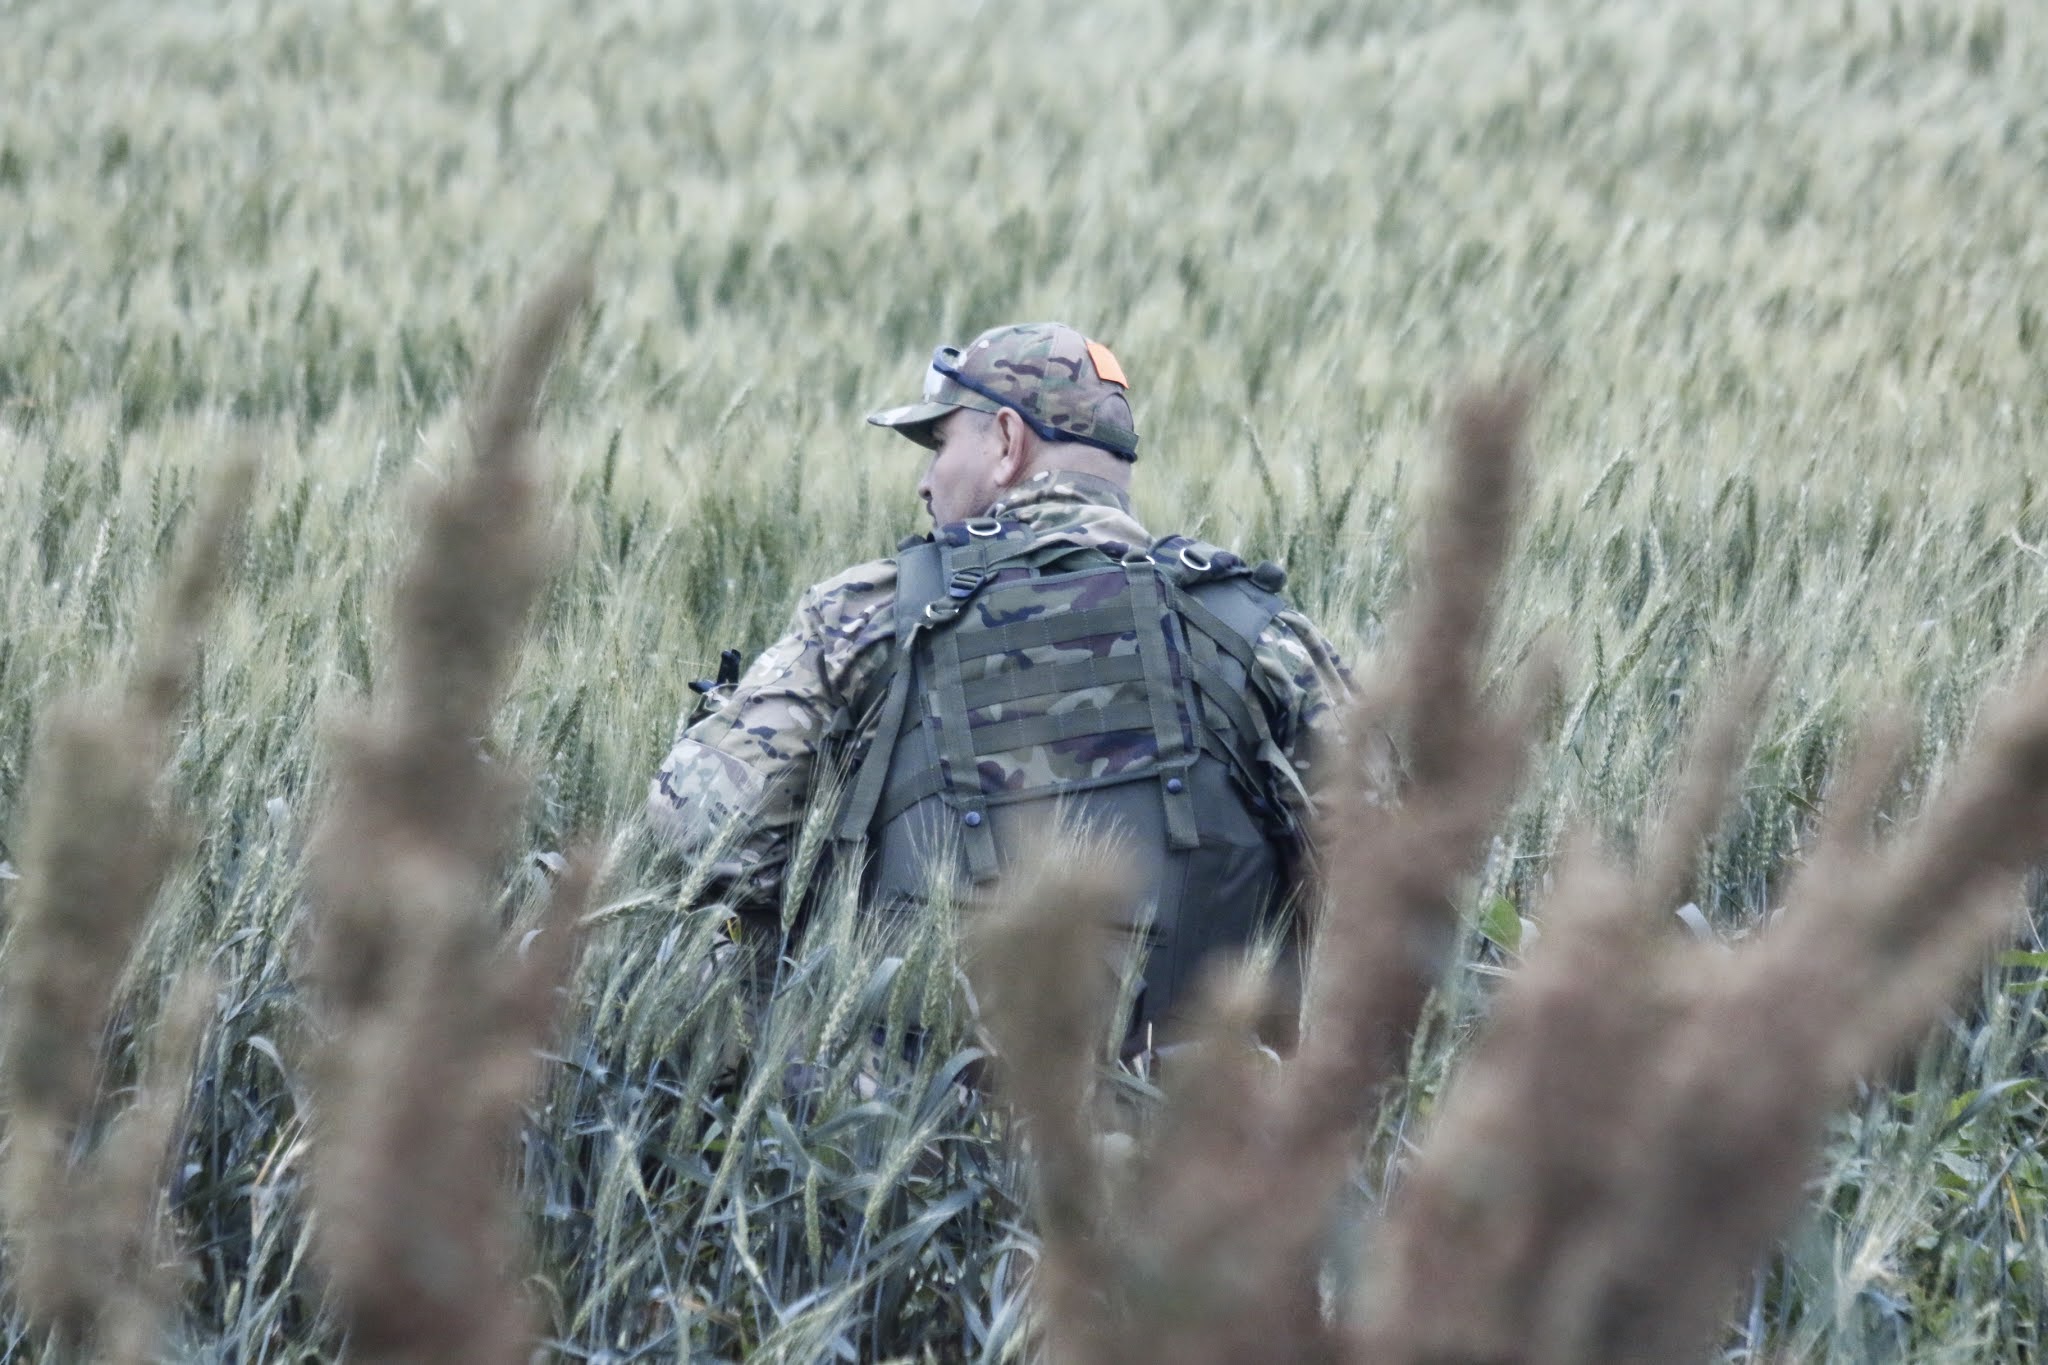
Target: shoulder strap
1233, 612
1228, 600
920, 584
935, 579
1227, 604
1188, 562
952, 565
1227, 618
1173, 729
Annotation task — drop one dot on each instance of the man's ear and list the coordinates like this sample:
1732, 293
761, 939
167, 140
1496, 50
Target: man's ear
1013, 461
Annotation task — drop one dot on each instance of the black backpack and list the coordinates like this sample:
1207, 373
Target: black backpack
1029, 675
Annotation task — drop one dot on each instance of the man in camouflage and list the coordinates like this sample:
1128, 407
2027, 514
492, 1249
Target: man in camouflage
1033, 443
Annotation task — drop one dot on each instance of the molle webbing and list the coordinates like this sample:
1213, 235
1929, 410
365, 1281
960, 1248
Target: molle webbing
1024, 678
1052, 680
1033, 679
933, 578
1080, 625
959, 763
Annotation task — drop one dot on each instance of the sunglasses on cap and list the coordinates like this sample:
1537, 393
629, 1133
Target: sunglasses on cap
946, 368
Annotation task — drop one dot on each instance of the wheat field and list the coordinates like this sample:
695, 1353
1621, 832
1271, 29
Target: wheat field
1776, 275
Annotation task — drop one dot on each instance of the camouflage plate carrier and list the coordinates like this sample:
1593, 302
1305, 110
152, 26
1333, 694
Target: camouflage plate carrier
1028, 677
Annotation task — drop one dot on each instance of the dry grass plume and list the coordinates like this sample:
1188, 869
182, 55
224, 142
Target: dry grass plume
85, 1225
432, 1021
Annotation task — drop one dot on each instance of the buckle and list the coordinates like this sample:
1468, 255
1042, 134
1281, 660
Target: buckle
964, 582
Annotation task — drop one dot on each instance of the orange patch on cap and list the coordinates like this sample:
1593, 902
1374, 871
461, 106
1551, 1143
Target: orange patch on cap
1106, 366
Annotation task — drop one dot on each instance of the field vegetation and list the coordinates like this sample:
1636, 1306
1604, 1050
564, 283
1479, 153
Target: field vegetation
1777, 271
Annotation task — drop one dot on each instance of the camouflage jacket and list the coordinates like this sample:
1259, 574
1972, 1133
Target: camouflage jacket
746, 770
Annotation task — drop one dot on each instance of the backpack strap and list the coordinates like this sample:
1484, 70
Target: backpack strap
920, 582
1172, 727
1227, 604
935, 579
958, 770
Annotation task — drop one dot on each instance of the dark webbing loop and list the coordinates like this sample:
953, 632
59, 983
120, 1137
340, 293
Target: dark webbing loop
958, 766
1170, 725
1246, 721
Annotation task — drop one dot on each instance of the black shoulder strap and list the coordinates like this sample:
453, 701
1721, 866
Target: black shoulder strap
1236, 612
920, 584
1224, 597
1227, 604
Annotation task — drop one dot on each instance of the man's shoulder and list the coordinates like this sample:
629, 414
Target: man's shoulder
876, 576
855, 591
1296, 656
849, 612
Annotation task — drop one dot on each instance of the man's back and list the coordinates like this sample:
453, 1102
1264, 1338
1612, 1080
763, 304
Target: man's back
1193, 741
1245, 721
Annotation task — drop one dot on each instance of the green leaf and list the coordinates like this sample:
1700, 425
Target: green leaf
1971, 1103
1501, 924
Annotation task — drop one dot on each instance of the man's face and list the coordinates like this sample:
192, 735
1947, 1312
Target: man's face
960, 482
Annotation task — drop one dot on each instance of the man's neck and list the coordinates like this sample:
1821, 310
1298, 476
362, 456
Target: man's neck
1061, 485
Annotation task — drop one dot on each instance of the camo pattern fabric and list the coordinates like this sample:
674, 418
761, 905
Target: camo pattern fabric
1046, 370
735, 785
1088, 677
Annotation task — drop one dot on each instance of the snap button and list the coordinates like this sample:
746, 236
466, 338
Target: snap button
1175, 785
972, 819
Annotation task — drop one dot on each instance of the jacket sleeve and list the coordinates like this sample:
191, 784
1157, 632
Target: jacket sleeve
1302, 672
735, 785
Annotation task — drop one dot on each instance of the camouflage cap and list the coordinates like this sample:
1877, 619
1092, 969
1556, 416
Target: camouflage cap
1067, 387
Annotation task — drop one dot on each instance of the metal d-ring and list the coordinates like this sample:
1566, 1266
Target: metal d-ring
983, 527
1195, 559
